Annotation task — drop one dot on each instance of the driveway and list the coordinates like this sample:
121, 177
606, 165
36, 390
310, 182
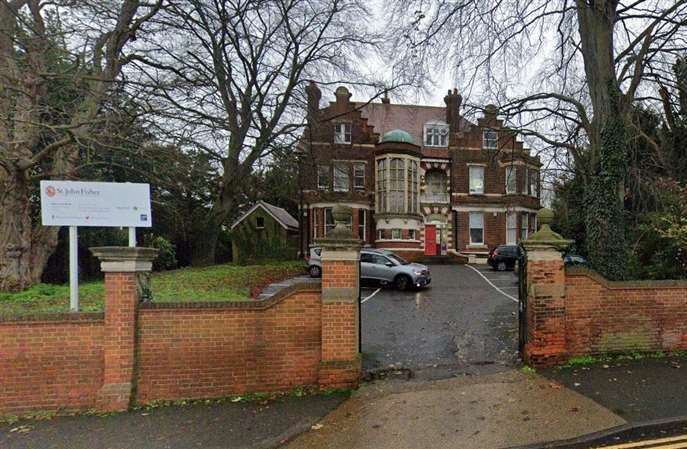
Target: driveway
461, 324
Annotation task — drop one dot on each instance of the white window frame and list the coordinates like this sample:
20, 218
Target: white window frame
328, 227
479, 168
395, 232
328, 168
526, 183
436, 135
512, 225
470, 228
511, 175
347, 167
533, 175
314, 224
362, 225
490, 143
342, 132
524, 225
357, 176
411, 234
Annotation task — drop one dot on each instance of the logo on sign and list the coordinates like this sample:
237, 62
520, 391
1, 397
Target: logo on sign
144, 217
50, 191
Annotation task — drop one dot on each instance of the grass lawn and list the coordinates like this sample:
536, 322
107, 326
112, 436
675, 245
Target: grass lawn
216, 283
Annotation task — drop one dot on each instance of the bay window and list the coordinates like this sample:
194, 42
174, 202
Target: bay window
397, 185
511, 179
524, 225
381, 185
511, 228
533, 183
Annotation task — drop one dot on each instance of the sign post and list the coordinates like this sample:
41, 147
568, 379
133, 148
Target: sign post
132, 236
106, 204
73, 269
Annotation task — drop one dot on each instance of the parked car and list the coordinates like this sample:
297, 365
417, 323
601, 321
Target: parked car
314, 262
574, 259
380, 265
504, 257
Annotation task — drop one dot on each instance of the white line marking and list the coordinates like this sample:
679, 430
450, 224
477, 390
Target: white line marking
370, 297
490, 283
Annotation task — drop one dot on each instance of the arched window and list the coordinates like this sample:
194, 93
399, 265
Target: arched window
436, 189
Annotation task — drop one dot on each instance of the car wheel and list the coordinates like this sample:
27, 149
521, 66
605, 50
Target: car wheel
402, 282
501, 266
315, 271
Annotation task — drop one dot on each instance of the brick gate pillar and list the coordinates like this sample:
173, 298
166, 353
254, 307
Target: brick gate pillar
124, 267
341, 365
545, 317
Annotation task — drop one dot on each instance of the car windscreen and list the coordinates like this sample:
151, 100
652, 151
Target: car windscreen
398, 259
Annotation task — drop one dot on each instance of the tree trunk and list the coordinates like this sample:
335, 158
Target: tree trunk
605, 222
15, 233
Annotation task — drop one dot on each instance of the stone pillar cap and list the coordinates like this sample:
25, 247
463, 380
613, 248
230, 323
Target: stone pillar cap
545, 237
340, 237
124, 259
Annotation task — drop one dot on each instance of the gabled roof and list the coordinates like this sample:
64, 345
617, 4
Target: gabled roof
410, 118
284, 218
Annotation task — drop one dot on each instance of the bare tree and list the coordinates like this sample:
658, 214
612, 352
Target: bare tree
569, 72
59, 63
231, 76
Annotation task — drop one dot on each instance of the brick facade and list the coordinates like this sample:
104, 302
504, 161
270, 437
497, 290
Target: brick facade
209, 350
51, 362
305, 335
462, 148
576, 312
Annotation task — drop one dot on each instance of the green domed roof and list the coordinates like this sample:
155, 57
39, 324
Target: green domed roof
397, 135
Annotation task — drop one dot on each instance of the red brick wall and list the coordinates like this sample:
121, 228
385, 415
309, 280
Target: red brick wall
576, 312
187, 352
50, 364
604, 317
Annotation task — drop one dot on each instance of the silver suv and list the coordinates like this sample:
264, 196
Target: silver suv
380, 265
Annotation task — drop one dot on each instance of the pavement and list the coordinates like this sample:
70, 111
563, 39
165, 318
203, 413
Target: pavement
459, 325
499, 410
637, 390
255, 425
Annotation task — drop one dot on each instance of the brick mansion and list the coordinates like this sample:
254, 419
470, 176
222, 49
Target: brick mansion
421, 180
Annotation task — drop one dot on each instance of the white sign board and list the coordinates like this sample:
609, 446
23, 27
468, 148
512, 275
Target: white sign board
107, 204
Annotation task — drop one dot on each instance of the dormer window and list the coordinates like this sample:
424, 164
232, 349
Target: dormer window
436, 135
342, 133
490, 139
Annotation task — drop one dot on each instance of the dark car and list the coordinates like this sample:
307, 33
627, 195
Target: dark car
504, 257
574, 259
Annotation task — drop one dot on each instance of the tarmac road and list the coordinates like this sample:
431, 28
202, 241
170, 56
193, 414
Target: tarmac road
460, 324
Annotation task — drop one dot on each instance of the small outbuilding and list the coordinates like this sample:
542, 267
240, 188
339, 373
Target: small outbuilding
264, 232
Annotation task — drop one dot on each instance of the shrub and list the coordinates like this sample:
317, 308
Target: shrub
167, 257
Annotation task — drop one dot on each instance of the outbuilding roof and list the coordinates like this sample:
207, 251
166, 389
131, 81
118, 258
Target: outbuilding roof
282, 217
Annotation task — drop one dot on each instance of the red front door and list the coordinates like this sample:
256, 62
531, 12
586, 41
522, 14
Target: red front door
430, 240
